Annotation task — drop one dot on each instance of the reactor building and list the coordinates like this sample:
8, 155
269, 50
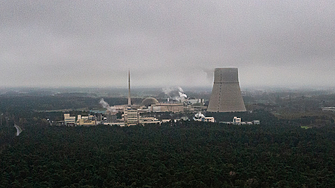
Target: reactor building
226, 93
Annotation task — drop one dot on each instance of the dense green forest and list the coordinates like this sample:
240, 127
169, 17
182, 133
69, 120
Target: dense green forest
14, 104
186, 154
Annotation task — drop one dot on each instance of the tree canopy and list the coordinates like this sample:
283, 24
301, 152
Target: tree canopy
187, 154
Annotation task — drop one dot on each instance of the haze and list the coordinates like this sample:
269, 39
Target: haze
166, 43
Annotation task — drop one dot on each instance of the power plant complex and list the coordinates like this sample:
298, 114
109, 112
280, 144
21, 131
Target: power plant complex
225, 97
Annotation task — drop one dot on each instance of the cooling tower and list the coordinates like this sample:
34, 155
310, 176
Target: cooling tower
226, 94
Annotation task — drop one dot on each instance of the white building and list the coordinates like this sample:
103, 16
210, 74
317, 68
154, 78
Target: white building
69, 120
148, 120
131, 117
200, 117
256, 122
195, 101
208, 119
237, 121
89, 120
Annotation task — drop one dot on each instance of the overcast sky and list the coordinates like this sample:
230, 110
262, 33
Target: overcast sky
166, 42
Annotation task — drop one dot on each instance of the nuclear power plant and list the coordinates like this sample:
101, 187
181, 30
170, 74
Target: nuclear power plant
226, 97
226, 93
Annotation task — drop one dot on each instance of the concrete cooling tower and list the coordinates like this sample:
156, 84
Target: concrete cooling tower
226, 94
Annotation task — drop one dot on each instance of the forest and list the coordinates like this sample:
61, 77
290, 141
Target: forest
184, 154
277, 153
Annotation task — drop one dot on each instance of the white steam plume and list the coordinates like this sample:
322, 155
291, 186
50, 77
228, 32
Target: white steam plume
104, 104
167, 91
198, 115
180, 89
173, 91
182, 95
209, 75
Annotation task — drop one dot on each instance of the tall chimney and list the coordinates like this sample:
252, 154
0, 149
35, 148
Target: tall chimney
129, 99
226, 93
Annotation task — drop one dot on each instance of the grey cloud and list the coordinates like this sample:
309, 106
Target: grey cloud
94, 43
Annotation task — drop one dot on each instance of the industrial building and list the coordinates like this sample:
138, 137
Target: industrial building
131, 117
134, 114
238, 121
89, 120
226, 93
200, 117
150, 104
148, 120
69, 120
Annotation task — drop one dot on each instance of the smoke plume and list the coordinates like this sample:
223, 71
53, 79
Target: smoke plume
167, 91
176, 93
199, 115
209, 74
104, 104
180, 89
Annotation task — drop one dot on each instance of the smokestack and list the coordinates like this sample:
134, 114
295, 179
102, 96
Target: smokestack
226, 94
129, 99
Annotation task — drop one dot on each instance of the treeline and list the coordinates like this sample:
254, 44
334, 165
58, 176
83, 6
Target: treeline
186, 154
267, 118
31, 108
262, 115
15, 104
